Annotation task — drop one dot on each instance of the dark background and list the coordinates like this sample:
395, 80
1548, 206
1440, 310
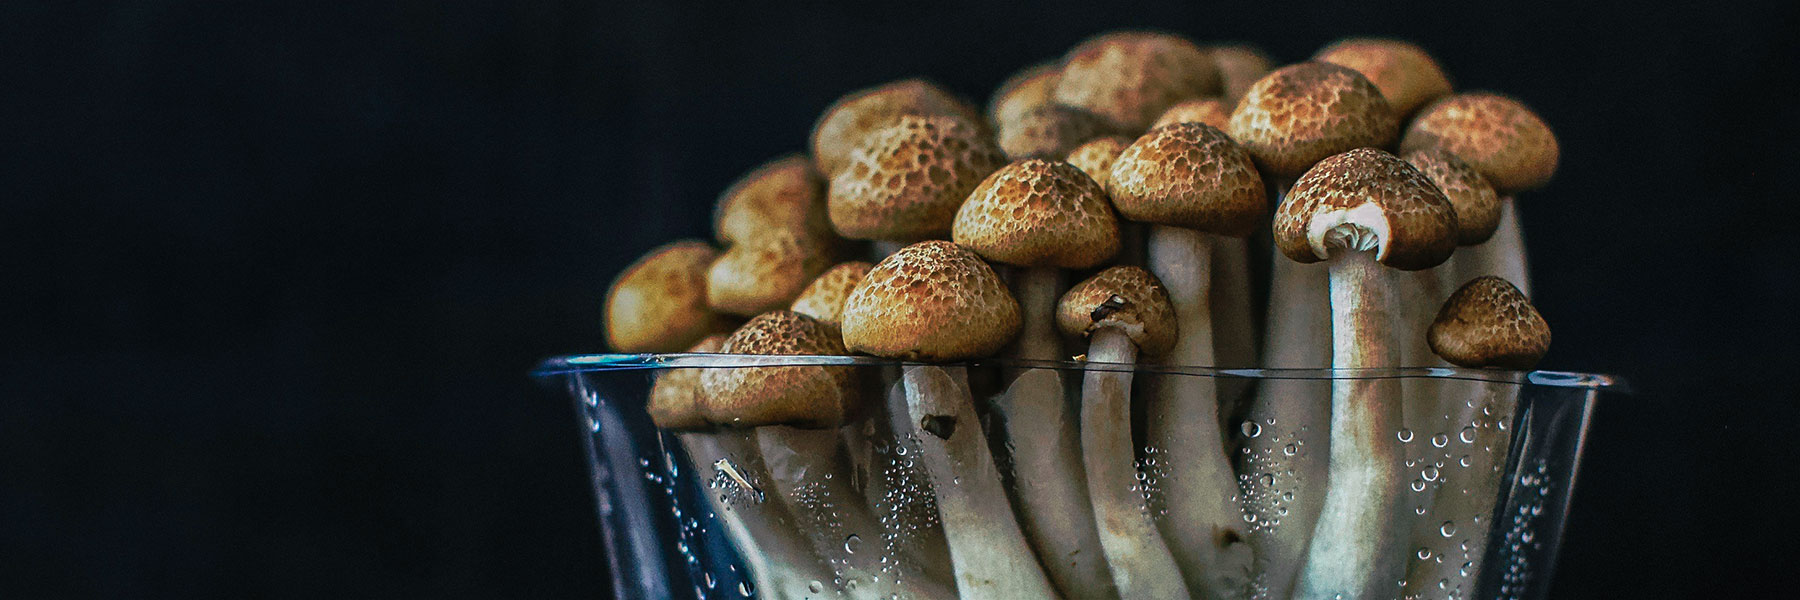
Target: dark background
273, 274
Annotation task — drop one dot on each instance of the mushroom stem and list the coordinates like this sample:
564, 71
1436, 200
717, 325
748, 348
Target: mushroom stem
1205, 521
1049, 484
1037, 289
1287, 488
1465, 498
808, 468
1502, 255
781, 561
1141, 564
1355, 548
1235, 338
986, 545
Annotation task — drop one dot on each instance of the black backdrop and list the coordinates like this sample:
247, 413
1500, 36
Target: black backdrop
274, 273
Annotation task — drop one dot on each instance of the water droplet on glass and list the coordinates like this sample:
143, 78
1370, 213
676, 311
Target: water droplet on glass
1405, 435
852, 543
1465, 461
815, 587
1290, 449
1251, 429
1447, 529
1430, 473
1424, 553
746, 589
1468, 435
1418, 485
1440, 440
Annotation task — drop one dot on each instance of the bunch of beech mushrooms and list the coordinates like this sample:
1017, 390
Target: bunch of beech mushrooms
1141, 205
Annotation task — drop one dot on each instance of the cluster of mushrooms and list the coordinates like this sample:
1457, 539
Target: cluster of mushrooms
1142, 200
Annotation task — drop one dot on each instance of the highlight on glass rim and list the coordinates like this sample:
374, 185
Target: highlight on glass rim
1160, 319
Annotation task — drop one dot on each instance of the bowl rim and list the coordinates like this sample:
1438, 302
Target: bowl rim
593, 363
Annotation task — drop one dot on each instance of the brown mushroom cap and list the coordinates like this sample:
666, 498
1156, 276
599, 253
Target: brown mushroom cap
1407, 76
1049, 131
1189, 175
1125, 297
1300, 114
933, 301
1239, 68
1039, 213
1362, 200
1131, 77
675, 398
1096, 157
765, 272
1497, 135
823, 299
1489, 323
1023, 91
659, 303
811, 396
1212, 112
1477, 206
907, 179
843, 126
785, 194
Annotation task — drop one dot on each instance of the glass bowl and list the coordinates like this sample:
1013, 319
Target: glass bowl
1487, 462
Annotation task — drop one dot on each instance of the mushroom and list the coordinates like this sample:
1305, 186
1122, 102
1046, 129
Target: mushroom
780, 559
1049, 131
765, 273
1097, 156
935, 301
1360, 212
823, 299
1030, 88
1407, 76
1509, 145
658, 304
1044, 217
1239, 67
1487, 323
1191, 183
1122, 311
785, 194
905, 182
1210, 111
841, 129
1131, 77
796, 411
1288, 120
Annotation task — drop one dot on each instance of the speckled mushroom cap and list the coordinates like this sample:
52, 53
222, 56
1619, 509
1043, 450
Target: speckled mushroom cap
1239, 68
1049, 131
1364, 200
1407, 76
675, 397
1189, 175
1131, 77
1096, 157
1212, 112
1023, 91
785, 194
1497, 135
1039, 213
823, 299
1477, 206
1125, 297
810, 396
907, 179
1489, 323
843, 126
931, 301
765, 272
1302, 113
658, 304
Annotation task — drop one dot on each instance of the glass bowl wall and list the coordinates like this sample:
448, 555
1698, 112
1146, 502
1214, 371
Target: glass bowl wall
851, 512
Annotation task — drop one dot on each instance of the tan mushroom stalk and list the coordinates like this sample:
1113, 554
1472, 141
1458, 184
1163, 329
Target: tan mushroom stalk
1192, 183
1365, 213
658, 304
935, 301
1044, 217
1407, 75
781, 560
1122, 311
1131, 77
1510, 146
1487, 323
795, 411
1289, 120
